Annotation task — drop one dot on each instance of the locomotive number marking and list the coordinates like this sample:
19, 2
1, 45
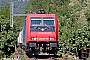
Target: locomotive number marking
43, 38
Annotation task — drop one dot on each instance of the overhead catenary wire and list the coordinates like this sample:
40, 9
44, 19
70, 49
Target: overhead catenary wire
12, 12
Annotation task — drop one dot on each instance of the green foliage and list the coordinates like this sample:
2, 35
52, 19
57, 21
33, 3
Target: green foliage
74, 25
8, 35
21, 53
88, 57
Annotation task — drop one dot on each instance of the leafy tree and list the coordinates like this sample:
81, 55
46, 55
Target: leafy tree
8, 35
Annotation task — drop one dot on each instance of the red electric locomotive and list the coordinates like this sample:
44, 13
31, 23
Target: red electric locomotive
40, 33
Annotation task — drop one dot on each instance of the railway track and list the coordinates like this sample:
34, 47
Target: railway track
17, 57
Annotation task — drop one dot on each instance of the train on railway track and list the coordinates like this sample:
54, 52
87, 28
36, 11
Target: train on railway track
39, 34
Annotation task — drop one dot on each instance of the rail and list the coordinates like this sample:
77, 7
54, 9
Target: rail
16, 56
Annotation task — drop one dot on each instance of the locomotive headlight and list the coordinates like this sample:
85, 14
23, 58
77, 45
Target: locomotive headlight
51, 38
33, 38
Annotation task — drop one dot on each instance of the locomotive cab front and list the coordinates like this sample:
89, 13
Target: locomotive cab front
42, 33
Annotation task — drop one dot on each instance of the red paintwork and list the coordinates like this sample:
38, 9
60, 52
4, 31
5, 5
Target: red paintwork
42, 35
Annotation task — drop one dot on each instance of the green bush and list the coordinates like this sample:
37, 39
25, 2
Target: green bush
88, 57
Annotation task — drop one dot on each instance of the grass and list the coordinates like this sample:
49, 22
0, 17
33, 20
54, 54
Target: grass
21, 54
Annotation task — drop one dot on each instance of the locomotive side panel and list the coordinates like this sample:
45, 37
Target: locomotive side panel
56, 21
27, 29
24, 34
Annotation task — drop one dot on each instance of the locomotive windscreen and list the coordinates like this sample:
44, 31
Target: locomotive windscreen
36, 21
39, 24
48, 21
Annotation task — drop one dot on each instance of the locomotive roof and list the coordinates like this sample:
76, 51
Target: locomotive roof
41, 15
